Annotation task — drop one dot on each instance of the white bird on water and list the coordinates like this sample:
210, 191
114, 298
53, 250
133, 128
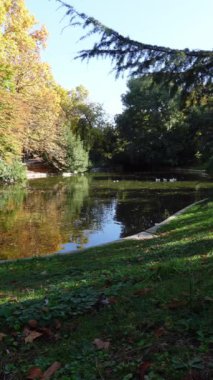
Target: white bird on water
166, 180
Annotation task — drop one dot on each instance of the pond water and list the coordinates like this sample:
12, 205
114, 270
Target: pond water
64, 214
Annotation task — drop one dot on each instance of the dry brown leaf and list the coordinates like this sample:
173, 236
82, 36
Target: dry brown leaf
113, 300
142, 292
46, 331
33, 323
143, 368
32, 336
34, 373
57, 324
160, 331
101, 345
193, 375
51, 370
154, 267
175, 304
2, 336
26, 331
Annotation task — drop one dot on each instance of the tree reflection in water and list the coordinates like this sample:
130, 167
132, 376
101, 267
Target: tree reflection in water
58, 214
39, 219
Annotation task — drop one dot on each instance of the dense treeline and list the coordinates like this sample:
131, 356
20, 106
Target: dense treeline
158, 129
37, 116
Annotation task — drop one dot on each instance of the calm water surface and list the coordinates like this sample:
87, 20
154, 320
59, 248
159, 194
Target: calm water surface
61, 215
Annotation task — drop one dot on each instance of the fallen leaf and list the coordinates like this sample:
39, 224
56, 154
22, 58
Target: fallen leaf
193, 375
175, 304
32, 336
160, 331
57, 324
143, 368
101, 345
33, 323
34, 373
154, 267
46, 331
26, 331
112, 300
2, 336
142, 292
51, 370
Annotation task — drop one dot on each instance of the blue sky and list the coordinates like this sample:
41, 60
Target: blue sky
173, 23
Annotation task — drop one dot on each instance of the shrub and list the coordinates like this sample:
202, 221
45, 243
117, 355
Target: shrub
12, 172
77, 159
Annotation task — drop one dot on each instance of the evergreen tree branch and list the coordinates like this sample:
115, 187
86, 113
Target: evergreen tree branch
192, 66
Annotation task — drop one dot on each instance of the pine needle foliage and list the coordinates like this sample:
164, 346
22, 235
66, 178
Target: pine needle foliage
189, 67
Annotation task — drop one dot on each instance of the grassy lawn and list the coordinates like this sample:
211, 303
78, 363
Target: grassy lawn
130, 310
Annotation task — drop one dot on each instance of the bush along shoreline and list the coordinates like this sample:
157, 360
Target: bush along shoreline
12, 172
130, 310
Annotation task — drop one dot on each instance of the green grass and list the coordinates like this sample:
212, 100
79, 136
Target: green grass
151, 300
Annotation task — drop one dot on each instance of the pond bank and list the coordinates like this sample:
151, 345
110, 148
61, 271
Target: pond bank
150, 232
38, 175
37, 168
34, 174
125, 310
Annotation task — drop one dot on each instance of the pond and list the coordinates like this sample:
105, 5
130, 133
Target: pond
67, 214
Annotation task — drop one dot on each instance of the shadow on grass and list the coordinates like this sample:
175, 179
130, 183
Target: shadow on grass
60, 291
160, 283
187, 237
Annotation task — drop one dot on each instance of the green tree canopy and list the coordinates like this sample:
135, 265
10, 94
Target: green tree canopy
154, 130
